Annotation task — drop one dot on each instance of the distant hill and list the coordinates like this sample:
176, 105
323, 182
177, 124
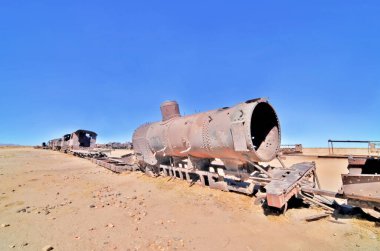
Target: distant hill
9, 144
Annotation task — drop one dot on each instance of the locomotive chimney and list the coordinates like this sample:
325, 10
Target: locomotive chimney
169, 109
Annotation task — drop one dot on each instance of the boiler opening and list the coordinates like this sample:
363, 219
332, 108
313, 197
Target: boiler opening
265, 132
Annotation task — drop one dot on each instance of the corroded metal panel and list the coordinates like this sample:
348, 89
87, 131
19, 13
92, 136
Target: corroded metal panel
238, 137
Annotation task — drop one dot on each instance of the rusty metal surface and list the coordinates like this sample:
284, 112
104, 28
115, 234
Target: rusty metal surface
114, 165
169, 110
144, 153
362, 187
249, 131
368, 165
115, 145
286, 183
289, 149
362, 184
356, 162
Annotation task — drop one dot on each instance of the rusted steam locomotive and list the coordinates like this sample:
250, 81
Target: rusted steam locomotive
238, 135
221, 148
225, 149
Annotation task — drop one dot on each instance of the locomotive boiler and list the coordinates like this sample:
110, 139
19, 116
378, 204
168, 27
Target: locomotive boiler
246, 133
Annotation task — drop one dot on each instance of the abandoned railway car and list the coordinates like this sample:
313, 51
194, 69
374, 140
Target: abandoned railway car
79, 139
74, 141
55, 144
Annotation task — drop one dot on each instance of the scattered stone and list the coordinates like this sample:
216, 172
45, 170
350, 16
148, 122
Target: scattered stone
5, 225
47, 248
77, 237
22, 210
110, 225
134, 197
12, 246
24, 244
91, 206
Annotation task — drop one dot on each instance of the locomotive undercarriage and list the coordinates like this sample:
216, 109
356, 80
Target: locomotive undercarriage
277, 184
274, 186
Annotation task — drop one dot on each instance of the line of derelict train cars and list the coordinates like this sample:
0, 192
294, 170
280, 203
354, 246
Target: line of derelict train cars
228, 149
76, 140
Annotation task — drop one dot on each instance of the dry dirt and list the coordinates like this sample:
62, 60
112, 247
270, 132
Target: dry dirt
50, 198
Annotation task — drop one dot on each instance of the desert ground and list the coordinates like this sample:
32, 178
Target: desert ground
53, 200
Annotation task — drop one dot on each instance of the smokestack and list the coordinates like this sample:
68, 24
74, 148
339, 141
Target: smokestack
169, 109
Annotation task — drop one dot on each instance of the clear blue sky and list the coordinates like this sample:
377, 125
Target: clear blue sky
107, 65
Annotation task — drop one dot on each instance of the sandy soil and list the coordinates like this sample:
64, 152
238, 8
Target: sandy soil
50, 198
